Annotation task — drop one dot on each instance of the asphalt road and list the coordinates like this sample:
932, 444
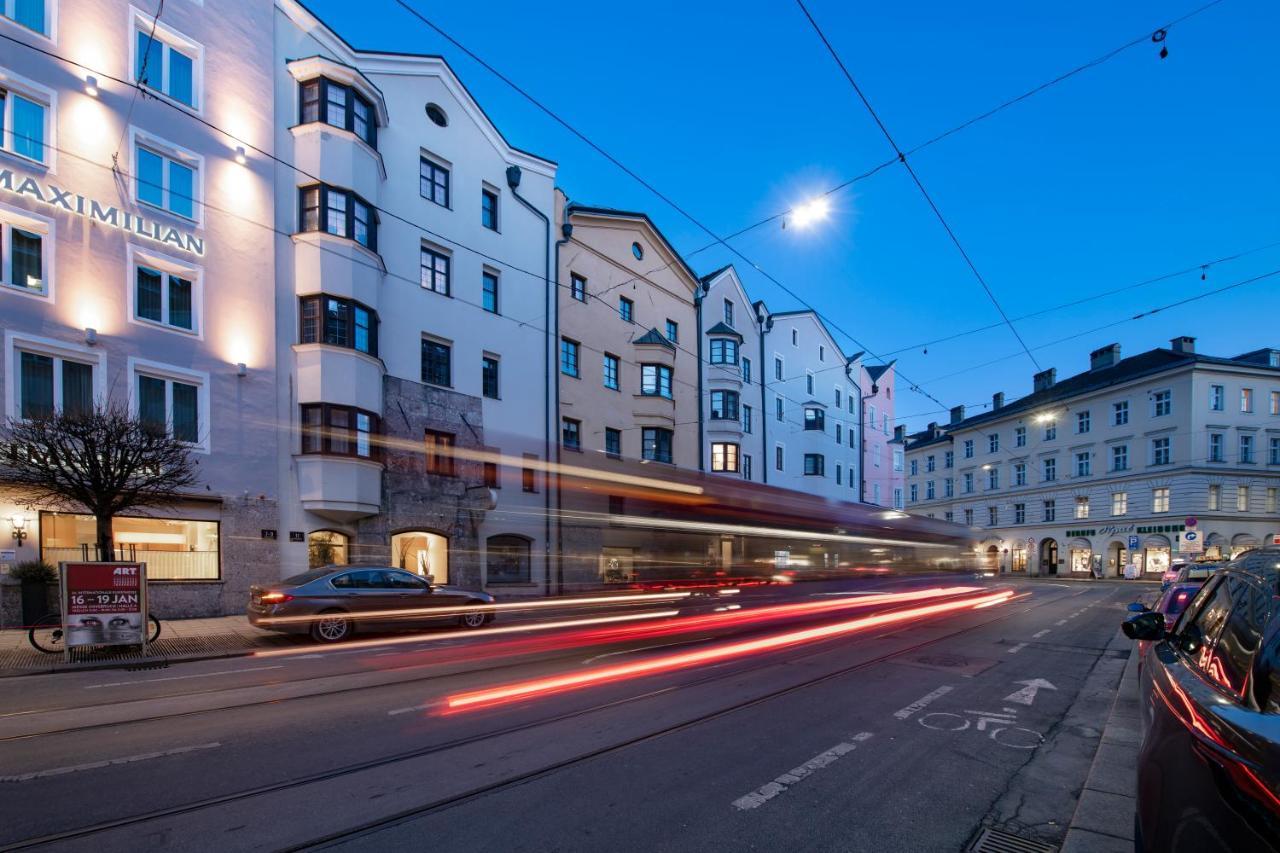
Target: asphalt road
907, 735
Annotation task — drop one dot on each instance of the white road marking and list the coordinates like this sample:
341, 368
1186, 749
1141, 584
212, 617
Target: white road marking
1014, 650
767, 792
645, 648
1038, 634
921, 703
182, 677
1061, 622
1027, 695
94, 765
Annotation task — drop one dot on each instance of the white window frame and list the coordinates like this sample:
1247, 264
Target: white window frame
140, 21
17, 342
1246, 401
138, 256
1154, 402
169, 151
1116, 408
1159, 497
32, 91
50, 33
1217, 395
1119, 504
27, 221
136, 367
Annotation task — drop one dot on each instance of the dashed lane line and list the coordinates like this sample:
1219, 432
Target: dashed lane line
922, 702
767, 792
182, 677
1038, 634
1017, 648
94, 765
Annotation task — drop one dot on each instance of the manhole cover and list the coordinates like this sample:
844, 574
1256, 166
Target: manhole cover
950, 663
999, 841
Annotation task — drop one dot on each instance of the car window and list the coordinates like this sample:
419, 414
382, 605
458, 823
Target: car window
1241, 636
1196, 574
345, 581
404, 580
1199, 624
376, 579
306, 577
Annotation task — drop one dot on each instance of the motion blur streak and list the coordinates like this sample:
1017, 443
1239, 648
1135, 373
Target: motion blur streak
483, 632
365, 615
752, 530
666, 663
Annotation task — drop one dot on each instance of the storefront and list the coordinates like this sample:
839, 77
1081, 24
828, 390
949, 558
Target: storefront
1156, 555
174, 549
1242, 542
1081, 555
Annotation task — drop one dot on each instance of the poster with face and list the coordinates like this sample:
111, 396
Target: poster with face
103, 604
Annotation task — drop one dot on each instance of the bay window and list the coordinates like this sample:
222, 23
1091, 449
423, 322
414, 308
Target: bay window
724, 405
339, 431
339, 322
724, 351
655, 380
655, 444
339, 212
325, 101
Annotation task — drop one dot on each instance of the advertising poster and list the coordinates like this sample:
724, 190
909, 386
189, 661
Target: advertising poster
104, 604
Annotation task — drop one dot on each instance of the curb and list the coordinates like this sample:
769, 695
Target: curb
134, 663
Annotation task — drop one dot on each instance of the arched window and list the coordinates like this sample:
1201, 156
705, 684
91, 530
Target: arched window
327, 548
508, 559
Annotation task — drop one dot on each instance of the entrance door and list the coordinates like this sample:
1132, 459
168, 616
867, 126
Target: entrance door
1117, 556
1049, 557
992, 561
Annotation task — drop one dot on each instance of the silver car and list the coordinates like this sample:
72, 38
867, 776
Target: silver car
329, 603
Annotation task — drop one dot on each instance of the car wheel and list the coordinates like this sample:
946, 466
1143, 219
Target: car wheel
473, 620
331, 627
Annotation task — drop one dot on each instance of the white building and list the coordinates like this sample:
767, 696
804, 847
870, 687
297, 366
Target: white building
1109, 466
734, 419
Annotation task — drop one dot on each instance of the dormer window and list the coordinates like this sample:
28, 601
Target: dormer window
325, 101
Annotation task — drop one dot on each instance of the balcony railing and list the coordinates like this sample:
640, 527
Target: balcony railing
161, 565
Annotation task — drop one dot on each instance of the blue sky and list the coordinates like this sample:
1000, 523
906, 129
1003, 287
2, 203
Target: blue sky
1127, 171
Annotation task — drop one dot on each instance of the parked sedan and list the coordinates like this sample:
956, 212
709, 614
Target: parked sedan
329, 603
1209, 766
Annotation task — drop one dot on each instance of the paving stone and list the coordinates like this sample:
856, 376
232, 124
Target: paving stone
1111, 814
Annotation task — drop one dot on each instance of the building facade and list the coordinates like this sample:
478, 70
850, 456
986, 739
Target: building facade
881, 456
733, 411
1113, 466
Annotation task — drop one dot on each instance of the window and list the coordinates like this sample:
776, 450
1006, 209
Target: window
655, 380
993, 516
915, 467
822, 353
993, 443
612, 442
724, 406
1246, 450
637, 251
795, 338
341, 213
489, 376
777, 457
508, 559
746, 371
1020, 436
1215, 498
578, 287
165, 180
949, 459
778, 408
724, 457
1120, 413
968, 517
1242, 498
568, 357
948, 515
724, 351
1240, 637
489, 209
23, 260
1275, 403
610, 371
746, 419
29, 13
777, 369
1160, 499
626, 309
1217, 398
1217, 447
728, 313
1120, 457
439, 452
815, 465
673, 331
1050, 470
1083, 422
1271, 500
1119, 503
323, 100
169, 406
1082, 507
837, 398
437, 363
339, 431
746, 467
334, 321
173, 549
928, 488
968, 448
949, 487
815, 419
1050, 510
968, 482
571, 433
529, 475
993, 478
50, 383
929, 463
1019, 513
1019, 473
492, 478
656, 444
1160, 451
839, 436
1161, 403
808, 384
1273, 455
22, 124
489, 291
164, 66
1084, 464
1246, 400
433, 182
871, 416
897, 456
433, 271
1051, 431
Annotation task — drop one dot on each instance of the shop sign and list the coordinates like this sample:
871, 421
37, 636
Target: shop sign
1189, 543
93, 210
1162, 528
104, 604
1116, 529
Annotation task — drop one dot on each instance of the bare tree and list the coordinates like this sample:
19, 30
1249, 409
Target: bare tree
102, 461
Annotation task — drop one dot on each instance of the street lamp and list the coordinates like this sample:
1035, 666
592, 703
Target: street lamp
19, 525
811, 211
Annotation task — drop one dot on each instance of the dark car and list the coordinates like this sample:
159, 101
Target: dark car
329, 603
1209, 766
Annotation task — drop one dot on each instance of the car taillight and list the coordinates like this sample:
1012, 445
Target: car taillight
276, 597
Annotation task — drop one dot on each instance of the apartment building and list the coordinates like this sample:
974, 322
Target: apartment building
1114, 465
882, 480
734, 426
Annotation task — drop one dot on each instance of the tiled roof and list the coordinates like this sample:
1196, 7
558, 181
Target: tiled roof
723, 328
709, 276
653, 336
875, 371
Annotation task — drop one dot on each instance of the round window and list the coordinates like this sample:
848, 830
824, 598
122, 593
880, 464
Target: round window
637, 250
436, 114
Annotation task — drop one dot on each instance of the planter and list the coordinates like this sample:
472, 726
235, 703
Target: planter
38, 601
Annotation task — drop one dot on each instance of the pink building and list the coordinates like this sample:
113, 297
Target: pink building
881, 457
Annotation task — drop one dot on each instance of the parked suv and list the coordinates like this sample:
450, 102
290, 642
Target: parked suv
1209, 767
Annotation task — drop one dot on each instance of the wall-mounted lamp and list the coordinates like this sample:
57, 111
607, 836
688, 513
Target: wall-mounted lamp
241, 156
91, 86
19, 524
91, 336
241, 370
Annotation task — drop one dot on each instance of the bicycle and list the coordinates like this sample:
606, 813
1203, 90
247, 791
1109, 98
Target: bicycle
46, 634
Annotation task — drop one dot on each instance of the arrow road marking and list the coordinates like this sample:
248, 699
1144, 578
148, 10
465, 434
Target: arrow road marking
1027, 695
767, 792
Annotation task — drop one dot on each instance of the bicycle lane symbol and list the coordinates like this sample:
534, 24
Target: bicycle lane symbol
999, 726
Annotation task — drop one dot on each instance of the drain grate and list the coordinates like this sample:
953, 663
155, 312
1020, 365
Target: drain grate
999, 841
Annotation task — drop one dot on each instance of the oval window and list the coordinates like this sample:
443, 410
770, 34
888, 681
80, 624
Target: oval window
437, 116
637, 251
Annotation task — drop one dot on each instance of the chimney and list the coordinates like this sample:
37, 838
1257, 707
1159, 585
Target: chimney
997, 400
1104, 357
1184, 344
900, 433
1044, 379
933, 430
957, 414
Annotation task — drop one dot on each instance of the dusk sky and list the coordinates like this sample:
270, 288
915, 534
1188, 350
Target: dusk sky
1130, 170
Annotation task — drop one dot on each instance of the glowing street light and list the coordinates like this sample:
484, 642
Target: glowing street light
811, 211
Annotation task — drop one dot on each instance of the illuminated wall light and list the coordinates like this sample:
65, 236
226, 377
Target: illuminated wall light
241, 370
91, 86
91, 336
241, 156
